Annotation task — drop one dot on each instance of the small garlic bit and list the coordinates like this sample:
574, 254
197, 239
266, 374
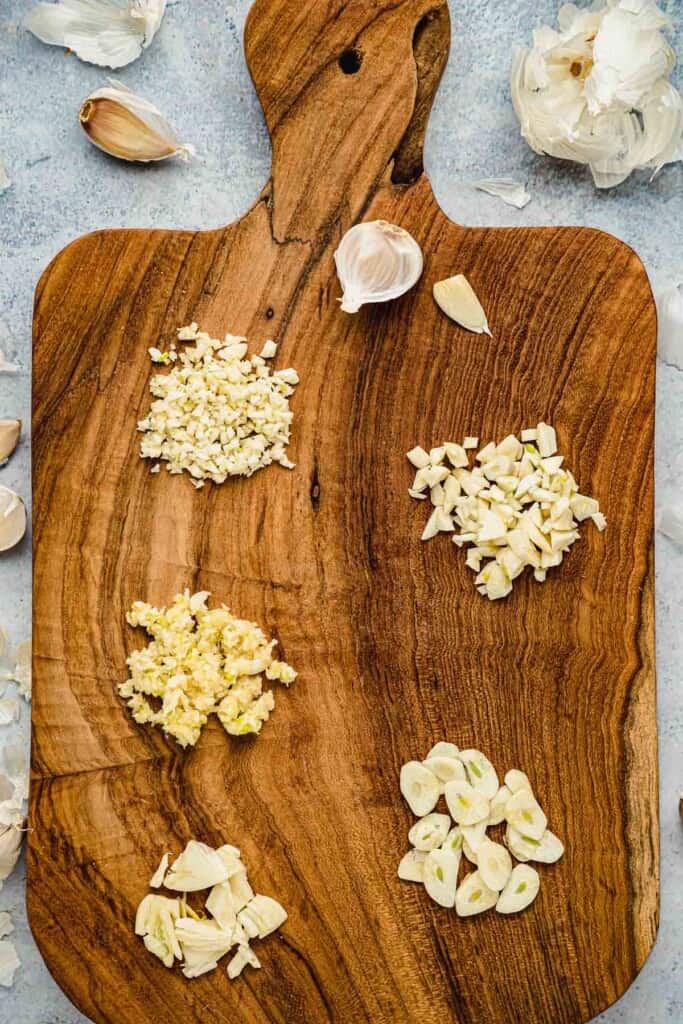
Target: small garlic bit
466, 804
411, 868
420, 787
10, 431
441, 876
128, 127
520, 891
670, 326
495, 864
13, 519
498, 804
429, 832
523, 812
474, 896
376, 262
458, 300
480, 772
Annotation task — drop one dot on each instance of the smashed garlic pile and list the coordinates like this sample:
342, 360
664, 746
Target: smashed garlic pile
519, 507
201, 661
217, 413
172, 930
476, 802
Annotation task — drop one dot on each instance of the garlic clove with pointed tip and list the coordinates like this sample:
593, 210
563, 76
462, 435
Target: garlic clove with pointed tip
458, 300
376, 262
128, 127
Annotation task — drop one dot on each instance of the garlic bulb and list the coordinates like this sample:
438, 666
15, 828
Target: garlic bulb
126, 126
670, 326
457, 298
597, 91
111, 33
12, 519
376, 262
9, 438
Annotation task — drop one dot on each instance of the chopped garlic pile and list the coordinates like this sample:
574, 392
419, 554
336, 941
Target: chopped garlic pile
519, 507
217, 413
476, 802
173, 931
201, 661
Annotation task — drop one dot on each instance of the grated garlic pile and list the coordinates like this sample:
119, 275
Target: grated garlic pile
519, 507
217, 413
201, 661
172, 930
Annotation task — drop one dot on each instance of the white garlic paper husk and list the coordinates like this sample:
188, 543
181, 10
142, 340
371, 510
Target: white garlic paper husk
670, 326
597, 91
129, 127
110, 33
376, 262
510, 191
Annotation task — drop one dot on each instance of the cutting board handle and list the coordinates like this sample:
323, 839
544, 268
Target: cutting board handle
346, 87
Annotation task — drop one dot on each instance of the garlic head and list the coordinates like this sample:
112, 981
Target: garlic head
128, 127
376, 262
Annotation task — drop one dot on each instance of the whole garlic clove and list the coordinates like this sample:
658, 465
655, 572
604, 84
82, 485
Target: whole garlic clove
128, 127
458, 300
13, 519
10, 431
376, 262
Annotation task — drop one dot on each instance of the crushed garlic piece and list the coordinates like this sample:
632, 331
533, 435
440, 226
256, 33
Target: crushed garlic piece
200, 662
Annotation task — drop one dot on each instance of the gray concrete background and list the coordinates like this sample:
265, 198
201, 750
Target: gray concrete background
195, 70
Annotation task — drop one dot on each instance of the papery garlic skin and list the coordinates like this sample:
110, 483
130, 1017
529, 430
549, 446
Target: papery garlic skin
376, 262
670, 326
597, 91
126, 126
110, 33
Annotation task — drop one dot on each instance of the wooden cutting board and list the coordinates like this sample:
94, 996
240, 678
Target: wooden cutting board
394, 646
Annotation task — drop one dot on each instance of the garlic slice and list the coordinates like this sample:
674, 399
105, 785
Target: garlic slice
474, 896
240, 890
480, 772
244, 957
467, 805
441, 876
13, 520
128, 127
458, 300
157, 879
523, 812
498, 804
507, 189
495, 864
454, 841
220, 905
473, 837
547, 850
10, 847
264, 913
111, 33
443, 749
10, 431
429, 832
522, 847
156, 921
411, 868
446, 768
376, 262
516, 780
420, 787
203, 943
197, 867
670, 326
521, 890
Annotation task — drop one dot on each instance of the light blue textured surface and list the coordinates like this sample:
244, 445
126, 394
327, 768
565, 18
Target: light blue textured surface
195, 70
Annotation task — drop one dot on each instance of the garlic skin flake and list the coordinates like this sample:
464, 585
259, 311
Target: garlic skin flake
458, 300
110, 33
670, 326
510, 191
597, 90
124, 125
376, 262
9, 963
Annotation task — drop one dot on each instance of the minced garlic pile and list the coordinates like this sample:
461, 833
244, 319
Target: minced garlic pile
519, 507
217, 413
201, 661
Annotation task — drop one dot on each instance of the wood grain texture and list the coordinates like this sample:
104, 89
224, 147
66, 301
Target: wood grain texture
394, 647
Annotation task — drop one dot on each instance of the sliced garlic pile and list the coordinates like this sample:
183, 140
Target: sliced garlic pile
518, 507
172, 930
476, 801
218, 412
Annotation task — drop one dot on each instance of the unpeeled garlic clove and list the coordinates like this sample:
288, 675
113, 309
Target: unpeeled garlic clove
458, 300
12, 519
10, 431
128, 127
376, 261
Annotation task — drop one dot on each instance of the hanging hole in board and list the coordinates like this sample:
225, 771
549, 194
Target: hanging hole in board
350, 61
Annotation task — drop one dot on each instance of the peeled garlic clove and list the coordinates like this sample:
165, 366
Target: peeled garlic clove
411, 868
458, 300
442, 749
523, 812
515, 780
441, 876
376, 262
10, 431
480, 772
521, 890
495, 864
467, 806
446, 768
474, 896
498, 805
128, 127
420, 787
12, 519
